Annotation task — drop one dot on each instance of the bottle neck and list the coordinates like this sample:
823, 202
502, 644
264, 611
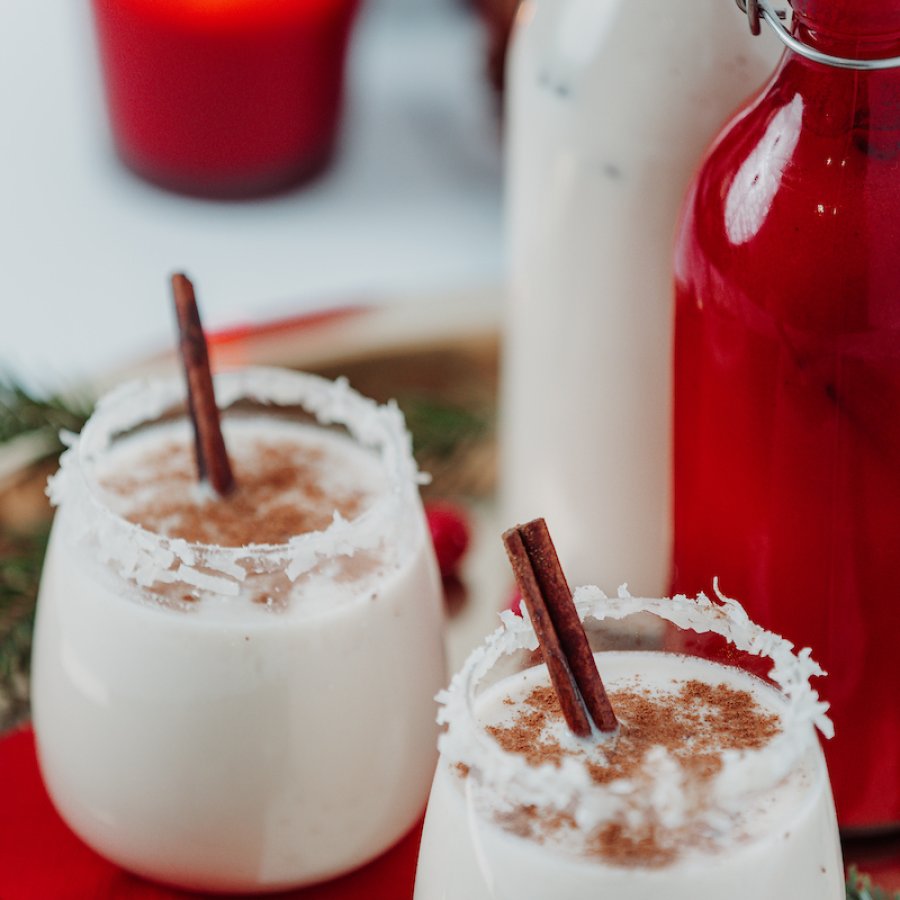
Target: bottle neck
859, 29
840, 102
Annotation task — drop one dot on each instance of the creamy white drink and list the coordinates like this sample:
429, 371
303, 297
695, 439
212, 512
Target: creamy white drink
215, 715
715, 786
610, 104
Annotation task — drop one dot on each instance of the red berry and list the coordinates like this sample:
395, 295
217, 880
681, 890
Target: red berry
513, 604
450, 534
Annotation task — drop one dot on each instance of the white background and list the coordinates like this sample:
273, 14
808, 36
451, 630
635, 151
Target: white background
410, 209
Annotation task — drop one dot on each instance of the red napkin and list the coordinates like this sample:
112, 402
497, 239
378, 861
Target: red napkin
41, 859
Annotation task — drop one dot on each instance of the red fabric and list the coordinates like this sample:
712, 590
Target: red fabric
41, 859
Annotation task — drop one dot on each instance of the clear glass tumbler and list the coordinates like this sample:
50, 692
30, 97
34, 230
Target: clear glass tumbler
248, 717
716, 787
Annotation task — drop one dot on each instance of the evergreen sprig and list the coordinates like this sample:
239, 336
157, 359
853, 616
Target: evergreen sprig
440, 428
21, 557
860, 887
21, 412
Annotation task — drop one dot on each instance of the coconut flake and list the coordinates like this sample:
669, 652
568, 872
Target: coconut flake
661, 793
146, 558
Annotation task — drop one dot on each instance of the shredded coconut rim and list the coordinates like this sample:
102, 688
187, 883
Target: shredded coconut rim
147, 557
512, 781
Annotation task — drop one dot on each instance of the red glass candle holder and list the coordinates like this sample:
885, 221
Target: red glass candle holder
224, 97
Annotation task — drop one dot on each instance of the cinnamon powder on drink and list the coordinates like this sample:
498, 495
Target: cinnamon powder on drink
279, 495
695, 724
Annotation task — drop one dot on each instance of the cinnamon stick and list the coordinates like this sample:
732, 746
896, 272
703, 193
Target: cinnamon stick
567, 653
213, 464
555, 587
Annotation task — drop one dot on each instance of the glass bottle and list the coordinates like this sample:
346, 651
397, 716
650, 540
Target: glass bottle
787, 379
609, 106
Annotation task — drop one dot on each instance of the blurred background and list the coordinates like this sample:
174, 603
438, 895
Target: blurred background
328, 172
406, 208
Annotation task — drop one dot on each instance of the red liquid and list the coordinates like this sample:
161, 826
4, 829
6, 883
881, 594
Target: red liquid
787, 394
224, 97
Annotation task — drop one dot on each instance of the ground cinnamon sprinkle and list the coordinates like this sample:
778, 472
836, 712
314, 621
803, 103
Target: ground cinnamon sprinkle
525, 735
522, 821
279, 495
632, 847
695, 724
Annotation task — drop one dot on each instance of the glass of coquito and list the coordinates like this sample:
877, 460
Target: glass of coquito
710, 784
236, 693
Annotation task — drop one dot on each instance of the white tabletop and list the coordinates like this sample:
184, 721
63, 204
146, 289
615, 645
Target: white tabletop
410, 208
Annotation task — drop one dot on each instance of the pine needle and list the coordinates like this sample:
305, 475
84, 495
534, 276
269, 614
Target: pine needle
23, 413
860, 887
21, 557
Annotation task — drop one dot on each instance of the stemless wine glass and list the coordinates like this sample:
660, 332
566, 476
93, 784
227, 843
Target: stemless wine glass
200, 737
759, 822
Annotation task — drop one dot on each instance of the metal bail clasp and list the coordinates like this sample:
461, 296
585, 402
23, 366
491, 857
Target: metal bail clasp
751, 8
757, 10
755, 14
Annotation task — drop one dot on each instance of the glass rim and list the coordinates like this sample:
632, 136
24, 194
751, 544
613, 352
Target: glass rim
510, 777
378, 427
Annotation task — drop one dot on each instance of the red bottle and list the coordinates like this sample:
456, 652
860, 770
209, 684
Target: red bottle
787, 380
224, 98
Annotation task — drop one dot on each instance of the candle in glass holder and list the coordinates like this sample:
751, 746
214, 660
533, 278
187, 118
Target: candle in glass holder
224, 97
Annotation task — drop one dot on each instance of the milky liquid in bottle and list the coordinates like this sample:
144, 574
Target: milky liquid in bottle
610, 104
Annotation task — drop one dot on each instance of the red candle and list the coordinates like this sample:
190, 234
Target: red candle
224, 97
